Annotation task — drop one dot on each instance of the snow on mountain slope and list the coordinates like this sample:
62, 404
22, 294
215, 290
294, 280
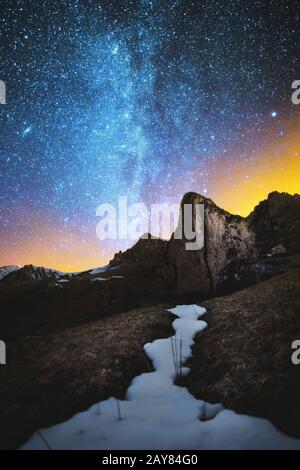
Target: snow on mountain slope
30, 272
5, 270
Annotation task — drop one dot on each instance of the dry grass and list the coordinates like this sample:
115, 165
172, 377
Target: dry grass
243, 359
48, 378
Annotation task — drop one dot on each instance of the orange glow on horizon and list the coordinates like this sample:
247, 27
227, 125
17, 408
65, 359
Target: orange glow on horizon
234, 185
80, 257
277, 168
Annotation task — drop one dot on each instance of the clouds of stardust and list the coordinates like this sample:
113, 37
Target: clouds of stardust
122, 98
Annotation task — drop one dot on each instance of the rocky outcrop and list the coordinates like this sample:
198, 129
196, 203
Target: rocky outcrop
227, 238
242, 273
147, 248
235, 248
276, 221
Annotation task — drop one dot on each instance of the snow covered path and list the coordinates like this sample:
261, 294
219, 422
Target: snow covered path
160, 415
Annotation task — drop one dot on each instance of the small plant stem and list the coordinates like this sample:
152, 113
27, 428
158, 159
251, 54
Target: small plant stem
180, 364
119, 410
44, 440
173, 355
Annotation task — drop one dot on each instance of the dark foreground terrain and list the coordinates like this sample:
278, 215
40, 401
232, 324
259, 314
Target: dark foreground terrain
243, 359
50, 377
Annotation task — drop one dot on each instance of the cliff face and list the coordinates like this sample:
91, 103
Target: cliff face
235, 248
226, 238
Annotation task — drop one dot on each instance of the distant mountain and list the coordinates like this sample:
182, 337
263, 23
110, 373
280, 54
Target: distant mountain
5, 270
29, 272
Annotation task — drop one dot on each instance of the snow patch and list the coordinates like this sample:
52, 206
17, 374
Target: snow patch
99, 270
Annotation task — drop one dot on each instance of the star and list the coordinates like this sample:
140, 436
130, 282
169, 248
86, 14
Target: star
141, 99
26, 131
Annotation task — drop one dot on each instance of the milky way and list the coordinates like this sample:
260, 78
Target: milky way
138, 98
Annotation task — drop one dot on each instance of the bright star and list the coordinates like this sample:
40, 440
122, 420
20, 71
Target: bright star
115, 49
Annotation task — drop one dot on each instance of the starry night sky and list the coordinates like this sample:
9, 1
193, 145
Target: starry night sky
142, 98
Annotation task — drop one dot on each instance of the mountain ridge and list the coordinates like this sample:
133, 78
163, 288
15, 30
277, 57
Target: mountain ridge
250, 218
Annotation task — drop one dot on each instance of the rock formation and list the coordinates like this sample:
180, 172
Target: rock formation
276, 221
147, 248
227, 238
